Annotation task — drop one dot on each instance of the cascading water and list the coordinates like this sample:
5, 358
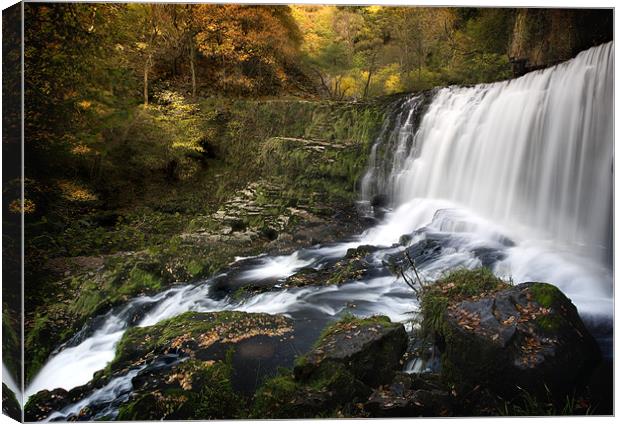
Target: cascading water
516, 176
536, 151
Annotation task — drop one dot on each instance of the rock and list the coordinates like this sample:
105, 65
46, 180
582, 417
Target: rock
411, 395
198, 335
405, 239
193, 389
352, 267
10, 405
529, 336
424, 251
351, 356
379, 201
370, 349
187, 368
43, 403
360, 252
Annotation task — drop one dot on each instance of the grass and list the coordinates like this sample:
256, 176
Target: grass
454, 287
527, 404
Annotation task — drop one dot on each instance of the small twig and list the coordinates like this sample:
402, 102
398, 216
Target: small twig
412, 263
409, 283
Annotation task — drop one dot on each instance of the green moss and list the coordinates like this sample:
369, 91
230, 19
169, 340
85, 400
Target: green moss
273, 398
141, 281
550, 323
453, 287
11, 352
344, 274
545, 294
184, 332
10, 406
208, 394
284, 397
349, 320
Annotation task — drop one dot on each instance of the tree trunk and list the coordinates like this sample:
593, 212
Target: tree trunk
146, 84
192, 65
367, 83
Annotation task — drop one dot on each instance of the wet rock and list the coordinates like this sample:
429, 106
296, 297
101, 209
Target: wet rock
405, 239
360, 251
529, 336
186, 368
43, 403
370, 349
489, 256
197, 335
10, 405
350, 358
410, 403
379, 201
193, 389
424, 251
351, 268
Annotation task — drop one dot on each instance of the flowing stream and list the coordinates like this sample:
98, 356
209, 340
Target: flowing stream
515, 175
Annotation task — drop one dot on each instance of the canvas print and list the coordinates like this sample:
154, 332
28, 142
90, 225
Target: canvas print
228, 211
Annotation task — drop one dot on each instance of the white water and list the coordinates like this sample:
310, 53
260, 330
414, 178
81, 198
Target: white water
533, 156
526, 161
535, 152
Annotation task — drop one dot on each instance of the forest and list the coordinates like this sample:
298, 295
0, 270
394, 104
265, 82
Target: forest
217, 195
105, 68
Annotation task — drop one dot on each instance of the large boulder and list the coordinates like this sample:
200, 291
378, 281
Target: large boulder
523, 338
411, 395
371, 349
206, 336
335, 378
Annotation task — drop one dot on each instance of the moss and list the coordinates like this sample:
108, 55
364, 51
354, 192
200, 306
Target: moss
455, 286
545, 294
550, 323
274, 397
282, 396
349, 320
141, 281
193, 330
10, 406
11, 352
195, 268
345, 273
205, 392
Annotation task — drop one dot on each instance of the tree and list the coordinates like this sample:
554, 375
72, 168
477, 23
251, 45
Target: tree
252, 46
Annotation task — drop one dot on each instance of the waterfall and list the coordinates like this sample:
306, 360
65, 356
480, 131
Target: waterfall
515, 175
533, 153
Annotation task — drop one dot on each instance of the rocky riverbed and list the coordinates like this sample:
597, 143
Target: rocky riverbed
502, 348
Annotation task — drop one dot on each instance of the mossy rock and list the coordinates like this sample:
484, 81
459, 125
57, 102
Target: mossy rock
527, 337
369, 348
42, 404
412, 395
195, 334
334, 379
190, 391
324, 395
10, 405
